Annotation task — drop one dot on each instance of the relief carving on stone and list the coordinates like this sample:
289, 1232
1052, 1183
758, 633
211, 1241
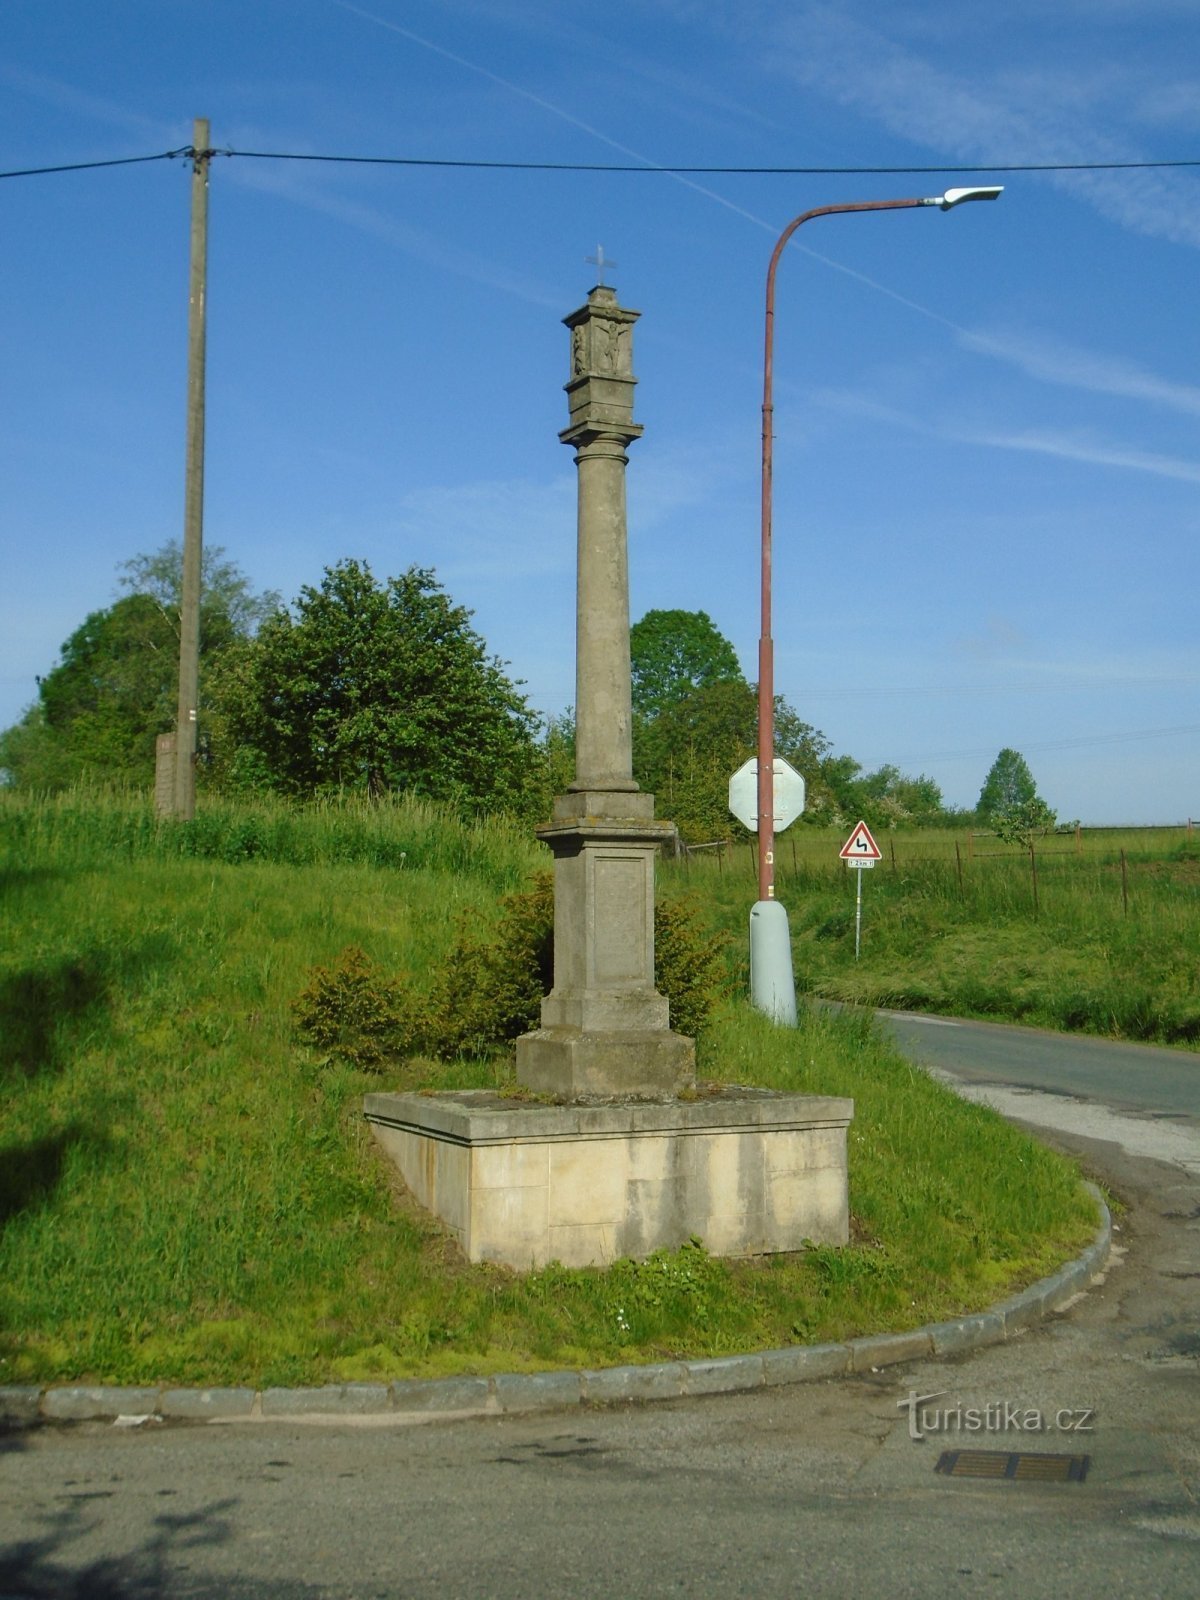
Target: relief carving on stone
602, 348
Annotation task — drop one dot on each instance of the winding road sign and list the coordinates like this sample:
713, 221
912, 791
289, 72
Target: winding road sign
860, 849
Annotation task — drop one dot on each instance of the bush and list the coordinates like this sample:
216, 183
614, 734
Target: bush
690, 965
353, 1011
490, 989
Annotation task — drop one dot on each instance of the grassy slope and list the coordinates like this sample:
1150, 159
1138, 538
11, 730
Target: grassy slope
187, 1195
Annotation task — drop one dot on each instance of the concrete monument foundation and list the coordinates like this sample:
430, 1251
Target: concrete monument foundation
747, 1171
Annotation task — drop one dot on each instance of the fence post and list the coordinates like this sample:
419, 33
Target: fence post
1033, 873
1078, 840
958, 865
1124, 885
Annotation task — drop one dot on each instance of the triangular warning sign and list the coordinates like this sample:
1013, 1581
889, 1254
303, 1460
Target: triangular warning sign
860, 846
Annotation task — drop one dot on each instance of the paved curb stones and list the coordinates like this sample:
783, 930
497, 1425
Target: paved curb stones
446, 1398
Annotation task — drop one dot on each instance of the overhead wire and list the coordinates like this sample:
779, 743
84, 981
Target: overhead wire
91, 166
189, 152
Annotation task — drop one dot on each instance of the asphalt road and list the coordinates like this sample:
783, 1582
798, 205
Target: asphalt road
819, 1489
1130, 1077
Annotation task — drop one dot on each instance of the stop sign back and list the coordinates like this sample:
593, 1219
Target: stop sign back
788, 794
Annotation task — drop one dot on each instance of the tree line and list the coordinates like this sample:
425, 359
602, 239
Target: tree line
379, 686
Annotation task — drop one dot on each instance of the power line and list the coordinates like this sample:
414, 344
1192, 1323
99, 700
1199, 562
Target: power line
189, 152
645, 167
91, 166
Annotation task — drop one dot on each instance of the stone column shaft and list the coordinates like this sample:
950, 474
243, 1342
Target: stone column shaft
603, 711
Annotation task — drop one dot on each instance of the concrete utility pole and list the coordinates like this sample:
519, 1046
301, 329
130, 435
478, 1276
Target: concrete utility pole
193, 515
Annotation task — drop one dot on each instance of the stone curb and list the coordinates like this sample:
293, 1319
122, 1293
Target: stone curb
505, 1393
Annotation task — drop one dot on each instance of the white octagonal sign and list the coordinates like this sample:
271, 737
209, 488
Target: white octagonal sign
789, 794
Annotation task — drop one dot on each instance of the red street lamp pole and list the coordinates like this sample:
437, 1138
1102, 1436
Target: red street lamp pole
766, 658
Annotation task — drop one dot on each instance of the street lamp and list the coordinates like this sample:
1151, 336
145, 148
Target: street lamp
772, 985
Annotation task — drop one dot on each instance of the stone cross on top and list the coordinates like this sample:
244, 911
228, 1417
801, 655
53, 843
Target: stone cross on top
601, 263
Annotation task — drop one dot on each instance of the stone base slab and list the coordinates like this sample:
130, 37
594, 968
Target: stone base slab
747, 1171
572, 1064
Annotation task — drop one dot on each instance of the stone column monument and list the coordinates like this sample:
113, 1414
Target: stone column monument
605, 1029
619, 1162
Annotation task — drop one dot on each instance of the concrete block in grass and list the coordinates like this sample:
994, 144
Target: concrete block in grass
208, 1404
724, 1375
105, 1401
804, 1363
20, 1404
334, 1399
887, 1349
449, 1395
537, 1391
966, 1333
614, 1385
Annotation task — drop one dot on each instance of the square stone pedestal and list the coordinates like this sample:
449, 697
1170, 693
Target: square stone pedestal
748, 1171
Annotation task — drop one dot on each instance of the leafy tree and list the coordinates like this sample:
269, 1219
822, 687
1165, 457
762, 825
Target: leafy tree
115, 685
99, 709
687, 753
1009, 784
1025, 822
675, 653
225, 591
385, 686
887, 798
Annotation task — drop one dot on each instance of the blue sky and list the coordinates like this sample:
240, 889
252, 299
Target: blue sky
987, 455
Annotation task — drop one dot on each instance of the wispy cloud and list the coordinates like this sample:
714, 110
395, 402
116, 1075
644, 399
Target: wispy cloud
1051, 361
506, 530
1062, 444
420, 243
1015, 117
91, 107
548, 106
1078, 447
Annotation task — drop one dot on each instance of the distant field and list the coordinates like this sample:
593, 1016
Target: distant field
802, 846
1099, 932
189, 1194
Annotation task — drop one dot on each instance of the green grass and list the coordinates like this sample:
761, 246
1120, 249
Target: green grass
1111, 945
188, 1195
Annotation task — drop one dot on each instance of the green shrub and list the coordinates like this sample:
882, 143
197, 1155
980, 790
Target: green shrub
490, 990
352, 1010
490, 987
690, 964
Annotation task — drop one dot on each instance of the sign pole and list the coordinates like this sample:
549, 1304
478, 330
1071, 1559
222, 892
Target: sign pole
860, 851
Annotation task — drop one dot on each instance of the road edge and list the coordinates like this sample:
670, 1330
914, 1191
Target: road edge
422, 1400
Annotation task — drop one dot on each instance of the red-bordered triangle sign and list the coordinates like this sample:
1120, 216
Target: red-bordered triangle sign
860, 846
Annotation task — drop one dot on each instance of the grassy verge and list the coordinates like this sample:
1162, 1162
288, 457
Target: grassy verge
1105, 940
188, 1195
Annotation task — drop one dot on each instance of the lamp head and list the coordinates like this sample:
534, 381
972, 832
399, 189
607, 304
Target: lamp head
957, 197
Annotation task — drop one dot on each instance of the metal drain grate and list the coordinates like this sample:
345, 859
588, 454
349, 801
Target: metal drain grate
1023, 1465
